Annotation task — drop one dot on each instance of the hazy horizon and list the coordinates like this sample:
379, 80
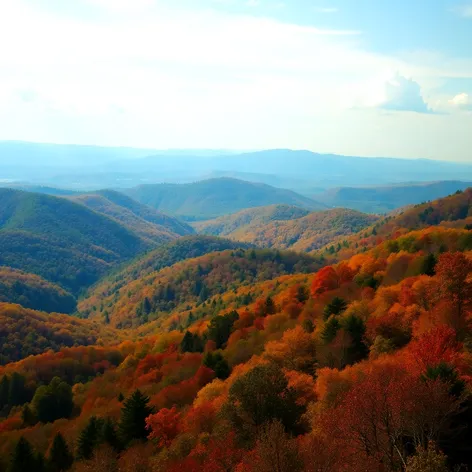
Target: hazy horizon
364, 79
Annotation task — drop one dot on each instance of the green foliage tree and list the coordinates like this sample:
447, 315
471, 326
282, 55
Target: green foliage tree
191, 343
330, 330
308, 325
355, 327
28, 417
133, 418
260, 396
110, 435
23, 458
335, 307
60, 457
270, 307
429, 265
220, 327
53, 401
216, 362
4, 389
303, 294
89, 438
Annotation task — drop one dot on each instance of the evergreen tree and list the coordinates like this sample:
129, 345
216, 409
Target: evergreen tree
133, 418
23, 458
355, 327
60, 458
4, 389
270, 308
17, 394
335, 307
216, 362
302, 294
429, 265
53, 401
308, 325
89, 438
330, 330
220, 328
28, 417
109, 434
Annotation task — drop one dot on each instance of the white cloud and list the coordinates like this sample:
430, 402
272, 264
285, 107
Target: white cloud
403, 94
167, 77
462, 101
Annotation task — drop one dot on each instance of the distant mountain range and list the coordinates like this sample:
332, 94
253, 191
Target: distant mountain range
92, 167
388, 198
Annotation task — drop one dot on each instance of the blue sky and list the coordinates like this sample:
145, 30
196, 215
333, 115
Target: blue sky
358, 77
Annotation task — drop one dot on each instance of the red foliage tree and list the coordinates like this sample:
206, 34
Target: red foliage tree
326, 279
164, 426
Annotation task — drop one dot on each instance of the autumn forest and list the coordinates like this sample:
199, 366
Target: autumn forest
277, 338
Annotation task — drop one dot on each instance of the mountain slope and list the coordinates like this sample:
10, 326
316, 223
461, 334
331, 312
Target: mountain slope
385, 199
454, 211
32, 291
26, 332
62, 241
306, 233
143, 220
189, 283
215, 197
244, 219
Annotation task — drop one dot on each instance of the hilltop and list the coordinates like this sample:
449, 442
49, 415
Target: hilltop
289, 229
215, 197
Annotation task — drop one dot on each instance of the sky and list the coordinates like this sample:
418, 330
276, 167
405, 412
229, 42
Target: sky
354, 77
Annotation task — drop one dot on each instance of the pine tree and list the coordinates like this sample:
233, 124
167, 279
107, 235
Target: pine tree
89, 438
17, 390
28, 417
60, 458
133, 418
23, 458
4, 389
270, 306
110, 435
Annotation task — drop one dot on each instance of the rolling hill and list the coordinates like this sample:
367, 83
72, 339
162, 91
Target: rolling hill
387, 198
62, 241
453, 211
26, 332
215, 197
149, 224
189, 283
246, 219
305, 233
32, 291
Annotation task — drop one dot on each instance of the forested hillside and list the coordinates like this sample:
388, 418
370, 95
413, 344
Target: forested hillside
215, 197
188, 284
25, 332
62, 241
237, 356
303, 233
452, 211
249, 218
151, 225
31, 291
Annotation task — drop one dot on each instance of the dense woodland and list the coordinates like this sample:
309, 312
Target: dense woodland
270, 227
355, 358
